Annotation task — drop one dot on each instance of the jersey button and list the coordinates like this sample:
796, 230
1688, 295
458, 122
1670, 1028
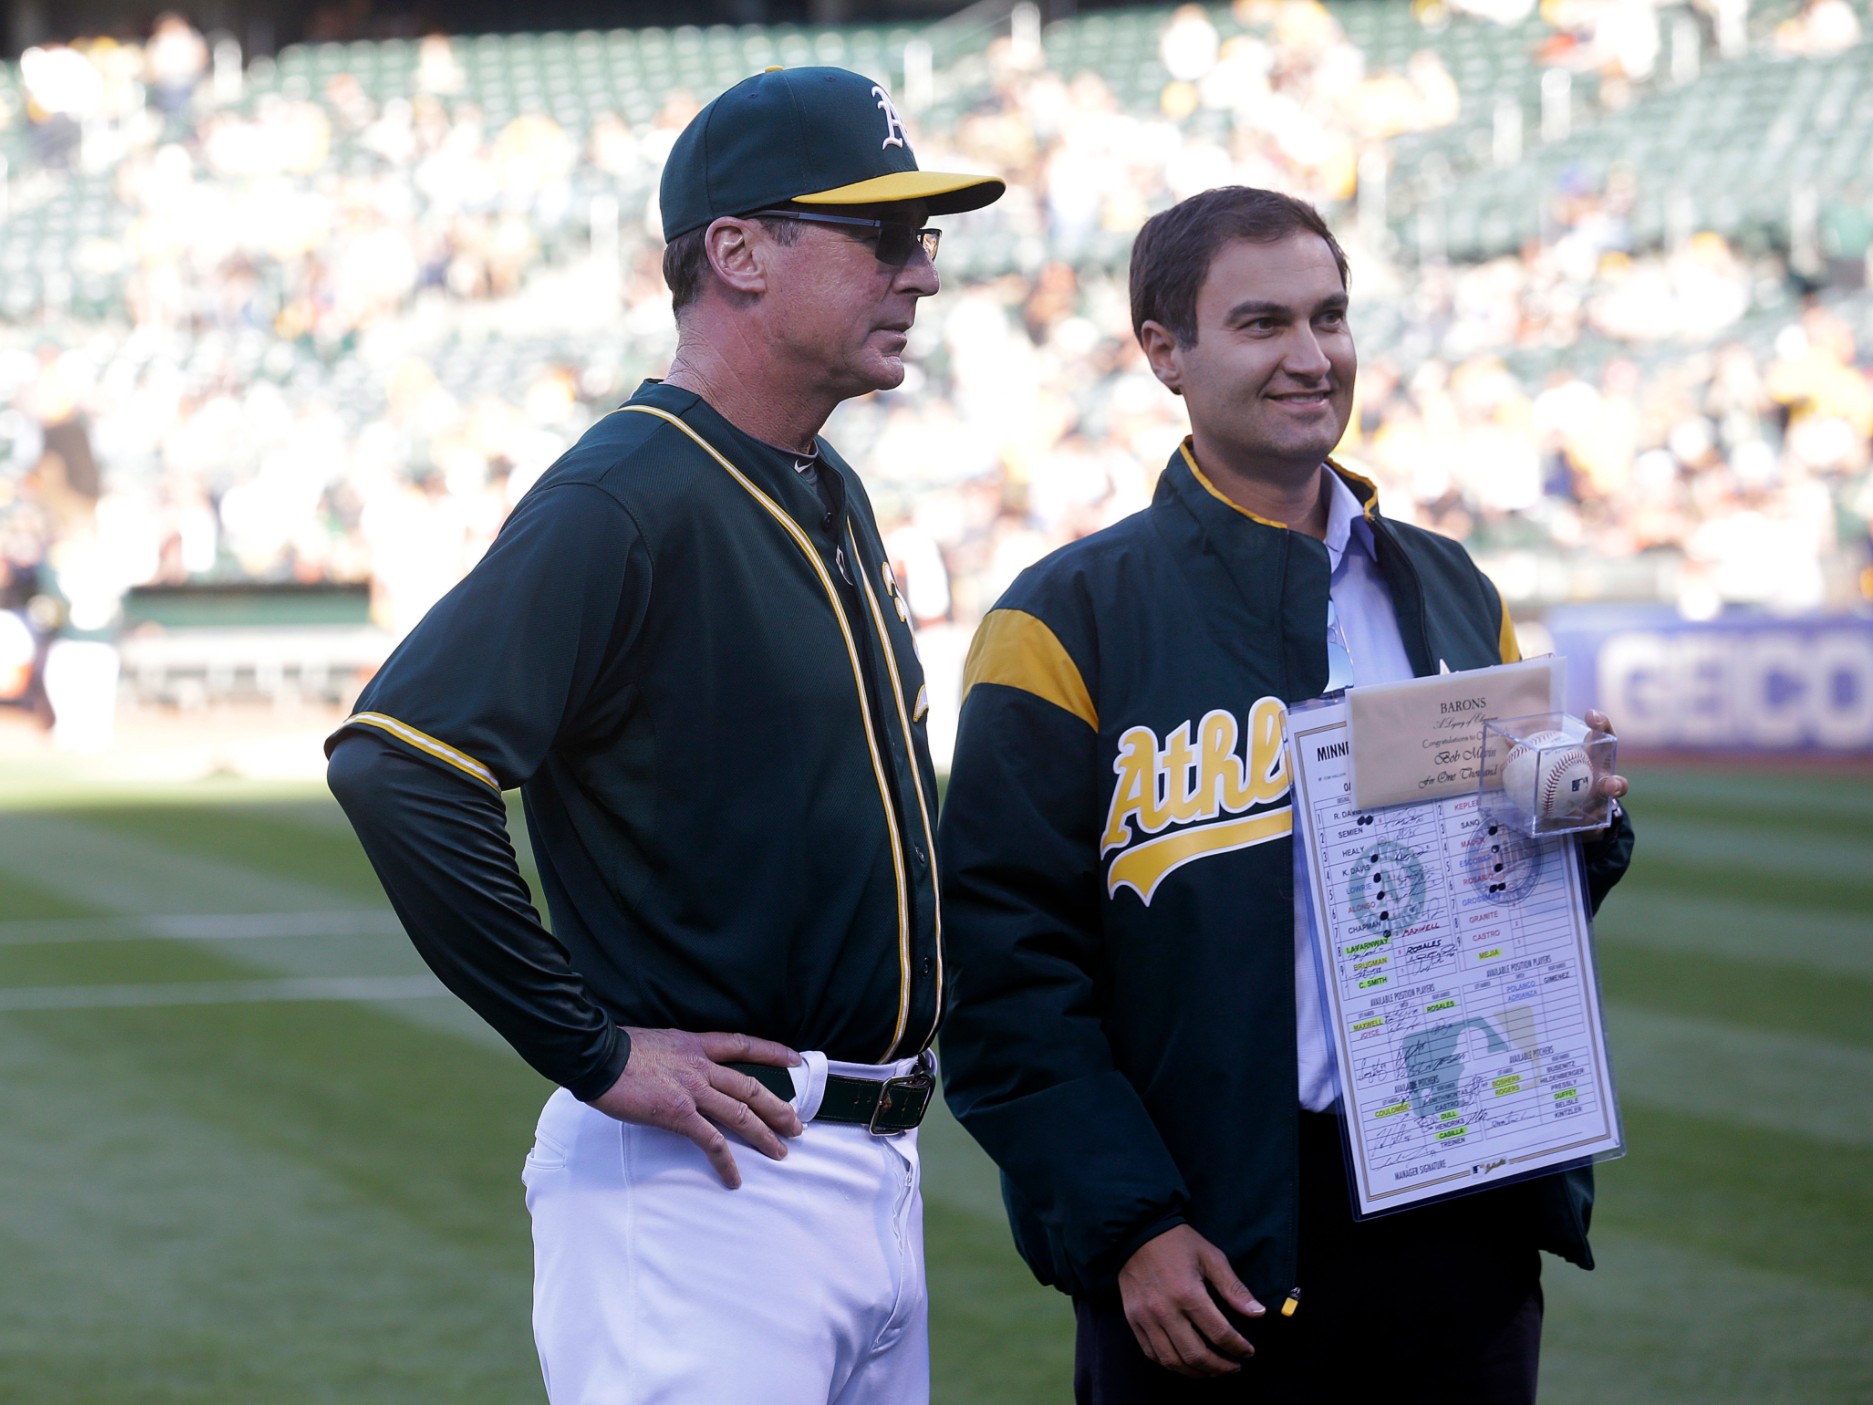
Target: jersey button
926, 965
918, 853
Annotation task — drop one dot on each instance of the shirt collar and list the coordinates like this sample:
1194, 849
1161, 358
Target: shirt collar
1346, 522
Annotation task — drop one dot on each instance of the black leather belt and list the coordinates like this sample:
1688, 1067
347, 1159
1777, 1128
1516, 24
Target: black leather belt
883, 1106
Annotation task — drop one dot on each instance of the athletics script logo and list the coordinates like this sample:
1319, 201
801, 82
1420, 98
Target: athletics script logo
1208, 787
893, 124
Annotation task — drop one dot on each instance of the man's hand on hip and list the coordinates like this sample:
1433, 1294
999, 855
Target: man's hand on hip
1171, 1287
675, 1080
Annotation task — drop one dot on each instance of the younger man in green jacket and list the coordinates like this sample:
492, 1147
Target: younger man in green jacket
1131, 1035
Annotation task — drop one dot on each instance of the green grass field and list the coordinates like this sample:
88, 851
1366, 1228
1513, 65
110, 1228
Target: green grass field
251, 1156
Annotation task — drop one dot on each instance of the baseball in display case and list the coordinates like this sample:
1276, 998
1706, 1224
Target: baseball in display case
1541, 774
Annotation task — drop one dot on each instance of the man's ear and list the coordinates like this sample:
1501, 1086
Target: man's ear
737, 251
1165, 356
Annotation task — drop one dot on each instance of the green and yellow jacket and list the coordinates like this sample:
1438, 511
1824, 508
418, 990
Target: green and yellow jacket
1121, 1029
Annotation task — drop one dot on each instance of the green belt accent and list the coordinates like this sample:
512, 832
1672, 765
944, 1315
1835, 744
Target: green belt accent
883, 1105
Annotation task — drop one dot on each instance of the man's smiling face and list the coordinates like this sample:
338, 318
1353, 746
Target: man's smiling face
1269, 377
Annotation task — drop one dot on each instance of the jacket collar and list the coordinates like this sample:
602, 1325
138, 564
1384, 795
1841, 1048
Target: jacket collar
1260, 581
1363, 489
1251, 579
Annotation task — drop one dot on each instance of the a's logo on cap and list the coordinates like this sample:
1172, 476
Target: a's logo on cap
893, 124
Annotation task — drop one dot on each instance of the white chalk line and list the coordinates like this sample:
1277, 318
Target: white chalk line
159, 995
201, 927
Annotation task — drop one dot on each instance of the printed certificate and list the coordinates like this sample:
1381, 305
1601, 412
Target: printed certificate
1461, 992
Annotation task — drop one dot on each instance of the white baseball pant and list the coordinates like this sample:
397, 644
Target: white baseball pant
655, 1283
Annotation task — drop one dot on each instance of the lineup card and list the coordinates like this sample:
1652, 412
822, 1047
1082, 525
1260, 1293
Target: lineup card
1462, 999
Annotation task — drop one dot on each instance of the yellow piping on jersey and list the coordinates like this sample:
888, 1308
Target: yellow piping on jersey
923, 808
1018, 650
422, 741
792, 528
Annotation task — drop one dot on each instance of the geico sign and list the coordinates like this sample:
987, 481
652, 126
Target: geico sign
1773, 687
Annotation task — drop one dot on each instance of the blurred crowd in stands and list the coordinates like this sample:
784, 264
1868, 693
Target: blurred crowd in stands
354, 328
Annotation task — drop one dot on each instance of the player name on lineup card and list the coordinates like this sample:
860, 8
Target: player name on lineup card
1461, 992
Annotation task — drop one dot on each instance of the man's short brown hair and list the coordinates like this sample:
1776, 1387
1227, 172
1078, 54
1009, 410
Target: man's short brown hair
1173, 252
686, 262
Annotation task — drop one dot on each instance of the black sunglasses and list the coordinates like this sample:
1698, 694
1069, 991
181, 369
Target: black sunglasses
894, 240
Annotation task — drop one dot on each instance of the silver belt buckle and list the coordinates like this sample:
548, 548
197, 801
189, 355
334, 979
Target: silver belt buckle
921, 1079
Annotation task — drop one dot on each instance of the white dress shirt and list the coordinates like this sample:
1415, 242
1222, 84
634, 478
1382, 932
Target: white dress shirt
1369, 627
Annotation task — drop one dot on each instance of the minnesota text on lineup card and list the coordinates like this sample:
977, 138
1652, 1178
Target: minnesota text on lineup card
1461, 991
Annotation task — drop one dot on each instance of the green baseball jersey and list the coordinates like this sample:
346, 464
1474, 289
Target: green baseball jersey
696, 666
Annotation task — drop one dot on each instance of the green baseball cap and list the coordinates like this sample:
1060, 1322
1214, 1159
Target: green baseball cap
807, 136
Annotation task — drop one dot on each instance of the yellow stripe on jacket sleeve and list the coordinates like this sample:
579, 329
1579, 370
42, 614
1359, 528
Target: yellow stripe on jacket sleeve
1508, 645
422, 741
1017, 650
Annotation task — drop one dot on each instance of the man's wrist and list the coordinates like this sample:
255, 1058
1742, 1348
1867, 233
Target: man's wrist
608, 1068
1122, 1252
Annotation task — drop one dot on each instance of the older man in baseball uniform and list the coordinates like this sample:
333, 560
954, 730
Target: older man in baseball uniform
687, 651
